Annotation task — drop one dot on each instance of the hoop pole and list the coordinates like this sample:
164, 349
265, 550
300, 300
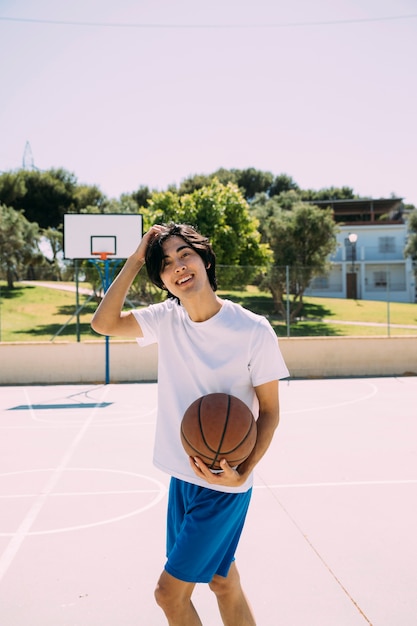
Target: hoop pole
77, 300
105, 281
106, 286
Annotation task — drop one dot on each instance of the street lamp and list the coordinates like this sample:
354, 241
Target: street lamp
353, 238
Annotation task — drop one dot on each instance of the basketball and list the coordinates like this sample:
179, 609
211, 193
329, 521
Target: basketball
218, 426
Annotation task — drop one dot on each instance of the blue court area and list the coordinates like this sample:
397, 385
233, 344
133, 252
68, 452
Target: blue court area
330, 539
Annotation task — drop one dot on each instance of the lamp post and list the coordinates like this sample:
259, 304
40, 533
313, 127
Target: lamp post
353, 238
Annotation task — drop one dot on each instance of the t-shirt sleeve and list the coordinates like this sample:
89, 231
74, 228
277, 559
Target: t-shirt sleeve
147, 319
266, 362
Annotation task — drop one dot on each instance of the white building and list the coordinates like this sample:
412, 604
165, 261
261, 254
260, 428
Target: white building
373, 267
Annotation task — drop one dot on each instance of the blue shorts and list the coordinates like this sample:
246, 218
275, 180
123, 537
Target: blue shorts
203, 530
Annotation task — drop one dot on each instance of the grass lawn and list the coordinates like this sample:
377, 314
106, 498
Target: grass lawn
321, 316
34, 313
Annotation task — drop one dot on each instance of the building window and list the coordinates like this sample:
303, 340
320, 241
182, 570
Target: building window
320, 282
380, 279
386, 244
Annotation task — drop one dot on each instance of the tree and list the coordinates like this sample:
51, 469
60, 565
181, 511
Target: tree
52, 247
220, 212
282, 183
250, 181
88, 196
46, 196
12, 187
198, 181
141, 196
18, 244
329, 193
300, 238
411, 247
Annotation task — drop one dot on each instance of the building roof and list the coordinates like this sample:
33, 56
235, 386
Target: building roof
365, 211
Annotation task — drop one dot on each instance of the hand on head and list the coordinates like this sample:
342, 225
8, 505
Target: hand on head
154, 230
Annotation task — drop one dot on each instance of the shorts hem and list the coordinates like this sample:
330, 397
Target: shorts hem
186, 579
197, 579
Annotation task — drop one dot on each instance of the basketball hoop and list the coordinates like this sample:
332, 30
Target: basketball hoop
103, 255
87, 235
105, 241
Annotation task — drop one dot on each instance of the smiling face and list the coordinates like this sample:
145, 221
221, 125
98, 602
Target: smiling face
158, 258
183, 271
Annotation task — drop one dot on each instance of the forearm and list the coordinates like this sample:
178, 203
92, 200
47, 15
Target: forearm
107, 318
230, 477
266, 426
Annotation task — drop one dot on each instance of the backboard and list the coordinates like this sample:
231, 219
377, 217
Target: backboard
87, 235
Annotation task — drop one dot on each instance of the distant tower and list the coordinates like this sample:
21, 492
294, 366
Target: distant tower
28, 162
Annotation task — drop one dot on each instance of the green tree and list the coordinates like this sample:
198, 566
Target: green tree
43, 196
411, 246
18, 244
198, 181
88, 196
250, 181
329, 193
52, 240
141, 196
163, 207
282, 183
46, 196
12, 187
222, 213
300, 238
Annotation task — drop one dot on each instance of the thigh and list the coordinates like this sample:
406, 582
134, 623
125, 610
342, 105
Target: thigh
204, 528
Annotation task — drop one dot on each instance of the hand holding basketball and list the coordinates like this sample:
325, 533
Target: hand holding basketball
218, 427
228, 477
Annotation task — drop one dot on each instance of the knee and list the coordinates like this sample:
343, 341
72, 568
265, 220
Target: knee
230, 585
172, 595
163, 596
219, 585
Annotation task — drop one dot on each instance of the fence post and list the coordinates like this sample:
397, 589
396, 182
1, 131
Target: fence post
388, 303
287, 288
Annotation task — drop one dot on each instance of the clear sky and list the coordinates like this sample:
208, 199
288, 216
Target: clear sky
147, 92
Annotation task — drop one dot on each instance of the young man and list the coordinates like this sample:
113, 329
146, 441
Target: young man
205, 345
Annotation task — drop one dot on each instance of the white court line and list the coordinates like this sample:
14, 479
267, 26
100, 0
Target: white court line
106, 419
158, 492
110, 422
351, 483
122, 492
14, 544
319, 556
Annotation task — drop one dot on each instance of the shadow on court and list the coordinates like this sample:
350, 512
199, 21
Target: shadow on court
330, 536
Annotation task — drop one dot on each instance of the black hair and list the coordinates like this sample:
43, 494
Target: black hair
154, 257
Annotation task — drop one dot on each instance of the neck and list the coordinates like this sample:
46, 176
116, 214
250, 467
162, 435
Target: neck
202, 308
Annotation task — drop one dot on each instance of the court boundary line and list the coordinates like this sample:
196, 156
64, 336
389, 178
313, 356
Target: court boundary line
13, 547
350, 483
160, 491
318, 555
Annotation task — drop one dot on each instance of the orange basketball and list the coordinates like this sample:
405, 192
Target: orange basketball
218, 426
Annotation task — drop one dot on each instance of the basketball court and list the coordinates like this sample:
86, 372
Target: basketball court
330, 538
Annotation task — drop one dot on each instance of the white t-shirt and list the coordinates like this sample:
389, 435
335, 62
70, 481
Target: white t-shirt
232, 352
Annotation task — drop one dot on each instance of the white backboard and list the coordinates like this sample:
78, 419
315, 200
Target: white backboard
88, 234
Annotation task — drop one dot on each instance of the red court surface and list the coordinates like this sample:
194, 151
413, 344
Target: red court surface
330, 539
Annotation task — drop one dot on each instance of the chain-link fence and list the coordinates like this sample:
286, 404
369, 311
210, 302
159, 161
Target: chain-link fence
295, 302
